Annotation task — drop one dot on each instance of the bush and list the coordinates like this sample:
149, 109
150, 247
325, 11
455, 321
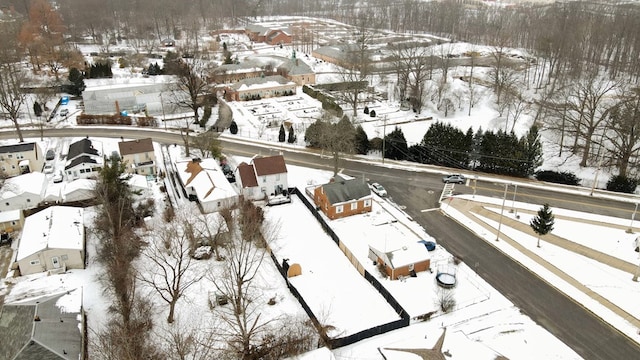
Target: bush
564, 177
622, 184
366, 109
372, 113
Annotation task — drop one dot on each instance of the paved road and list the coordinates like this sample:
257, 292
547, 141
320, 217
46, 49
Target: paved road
417, 191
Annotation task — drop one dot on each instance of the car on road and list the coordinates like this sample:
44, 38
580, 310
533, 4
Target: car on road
50, 155
454, 179
379, 189
58, 177
48, 168
64, 112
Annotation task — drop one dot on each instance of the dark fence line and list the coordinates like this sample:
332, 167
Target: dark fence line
353, 338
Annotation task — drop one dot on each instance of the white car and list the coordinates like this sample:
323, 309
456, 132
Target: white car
58, 177
64, 112
378, 189
48, 168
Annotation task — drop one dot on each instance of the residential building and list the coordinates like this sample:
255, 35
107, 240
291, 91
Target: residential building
52, 239
343, 197
11, 220
262, 177
400, 259
139, 156
20, 159
83, 161
271, 36
260, 88
203, 181
50, 327
297, 71
23, 192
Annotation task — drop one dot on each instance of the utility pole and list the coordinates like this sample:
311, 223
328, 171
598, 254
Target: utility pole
504, 198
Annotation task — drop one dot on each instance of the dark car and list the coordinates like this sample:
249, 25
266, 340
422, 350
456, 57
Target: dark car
430, 245
5, 239
454, 178
50, 155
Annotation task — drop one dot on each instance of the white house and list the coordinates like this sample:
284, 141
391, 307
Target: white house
11, 220
78, 190
52, 238
20, 158
23, 192
83, 160
263, 177
204, 181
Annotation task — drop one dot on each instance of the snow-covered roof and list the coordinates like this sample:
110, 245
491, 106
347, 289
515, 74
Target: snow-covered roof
262, 82
58, 227
206, 178
11, 215
32, 183
81, 189
396, 244
138, 182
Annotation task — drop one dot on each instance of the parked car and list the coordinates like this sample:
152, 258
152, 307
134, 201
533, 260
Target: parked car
50, 155
430, 245
48, 168
379, 189
454, 178
58, 177
64, 112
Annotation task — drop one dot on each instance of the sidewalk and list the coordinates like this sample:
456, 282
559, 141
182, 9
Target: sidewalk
472, 209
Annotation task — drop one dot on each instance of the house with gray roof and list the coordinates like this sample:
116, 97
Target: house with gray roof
83, 160
343, 196
43, 328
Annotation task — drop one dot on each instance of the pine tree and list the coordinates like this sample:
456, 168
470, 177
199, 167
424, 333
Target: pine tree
281, 134
362, 141
77, 80
37, 109
395, 145
292, 136
543, 223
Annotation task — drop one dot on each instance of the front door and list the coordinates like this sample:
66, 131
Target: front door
56, 262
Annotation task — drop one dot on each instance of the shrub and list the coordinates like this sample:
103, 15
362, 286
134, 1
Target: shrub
622, 184
564, 177
366, 109
372, 113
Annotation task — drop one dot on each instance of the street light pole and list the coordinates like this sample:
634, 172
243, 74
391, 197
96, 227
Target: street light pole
633, 217
504, 198
513, 202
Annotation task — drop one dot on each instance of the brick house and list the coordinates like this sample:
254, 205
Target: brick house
343, 197
400, 259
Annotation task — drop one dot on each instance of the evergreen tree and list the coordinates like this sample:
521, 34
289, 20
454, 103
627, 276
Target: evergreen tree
77, 82
542, 224
533, 151
233, 127
395, 147
292, 136
444, 144
362, 141
37, 109
281, 134
623, 184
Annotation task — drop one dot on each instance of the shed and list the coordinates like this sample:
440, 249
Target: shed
11, 220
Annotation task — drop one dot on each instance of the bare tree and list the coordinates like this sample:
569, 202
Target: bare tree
170, 273
624, 133
356, 68
208, 144
191, 90
12, 98
412, 65
186, 340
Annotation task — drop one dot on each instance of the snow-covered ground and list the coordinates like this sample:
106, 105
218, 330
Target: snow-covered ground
483, 325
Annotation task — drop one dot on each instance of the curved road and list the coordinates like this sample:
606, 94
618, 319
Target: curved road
586, 334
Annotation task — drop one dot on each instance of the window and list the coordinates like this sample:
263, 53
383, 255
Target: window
7, 204
367, 203
10, 156
354, 206
64, 257
339, 209
28, 200
264, 179
81, 171
34, 262
277, 177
